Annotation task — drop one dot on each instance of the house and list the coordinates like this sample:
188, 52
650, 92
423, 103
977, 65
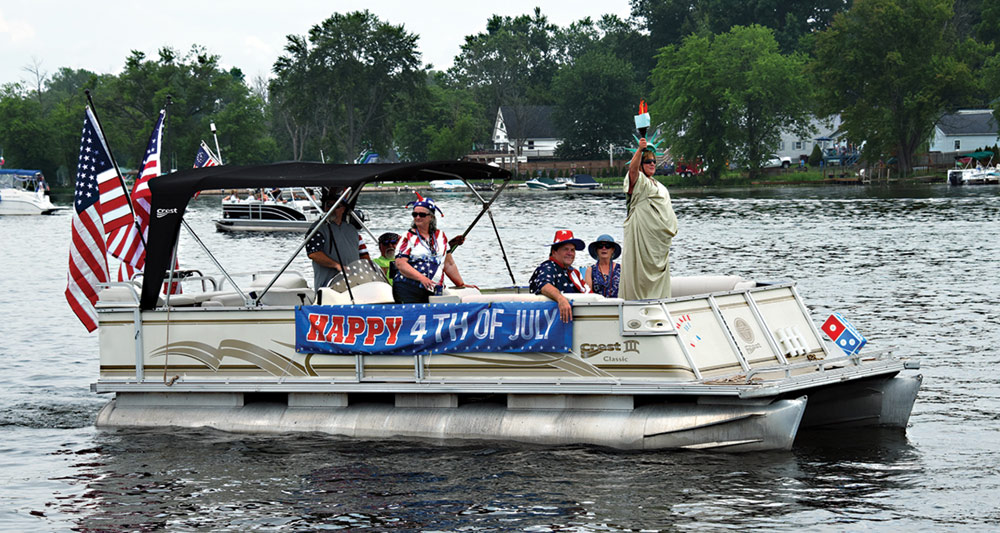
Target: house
525, 130
965, 131
825, 133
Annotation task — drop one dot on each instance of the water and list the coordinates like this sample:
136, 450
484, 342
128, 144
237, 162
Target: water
915, 268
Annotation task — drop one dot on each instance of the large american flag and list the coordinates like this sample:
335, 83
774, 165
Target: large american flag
205, 157
88, 263
114, 205
127, 243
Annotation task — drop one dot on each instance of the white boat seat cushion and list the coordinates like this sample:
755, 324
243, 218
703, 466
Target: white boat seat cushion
692, 285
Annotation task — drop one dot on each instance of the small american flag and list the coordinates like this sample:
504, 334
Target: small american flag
205, 157
88, 263
126, 243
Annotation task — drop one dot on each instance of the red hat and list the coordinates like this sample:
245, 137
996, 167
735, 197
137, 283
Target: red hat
563, 236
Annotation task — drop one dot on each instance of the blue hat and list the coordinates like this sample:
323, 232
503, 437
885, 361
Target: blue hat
605, 238
426, 203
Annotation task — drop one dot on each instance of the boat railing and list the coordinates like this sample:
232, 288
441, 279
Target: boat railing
819, 365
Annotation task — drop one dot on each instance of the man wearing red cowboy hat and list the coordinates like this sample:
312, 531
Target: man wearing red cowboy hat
557, 275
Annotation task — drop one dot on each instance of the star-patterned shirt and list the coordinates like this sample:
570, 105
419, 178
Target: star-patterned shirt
550, 272
425, 255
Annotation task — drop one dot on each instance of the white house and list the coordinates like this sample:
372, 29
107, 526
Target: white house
825, 134
529, 126
965, 131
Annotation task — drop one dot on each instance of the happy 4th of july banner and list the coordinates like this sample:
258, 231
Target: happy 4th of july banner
513, 327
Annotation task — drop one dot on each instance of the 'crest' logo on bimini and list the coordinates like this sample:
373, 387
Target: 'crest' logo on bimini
160, 213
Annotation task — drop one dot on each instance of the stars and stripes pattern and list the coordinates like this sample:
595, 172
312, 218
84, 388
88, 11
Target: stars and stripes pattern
88, 263
114, 204
127, 243
205, 157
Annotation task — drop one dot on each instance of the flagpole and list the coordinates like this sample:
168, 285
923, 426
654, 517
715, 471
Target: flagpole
121, 180
218, 152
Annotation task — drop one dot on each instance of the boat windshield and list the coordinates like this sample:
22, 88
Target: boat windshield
358, 273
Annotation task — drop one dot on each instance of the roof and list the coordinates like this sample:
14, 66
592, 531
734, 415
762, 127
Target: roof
528, 121
171, 193
977, 123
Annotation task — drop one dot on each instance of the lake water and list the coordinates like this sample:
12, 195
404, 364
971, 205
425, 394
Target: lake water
914, 268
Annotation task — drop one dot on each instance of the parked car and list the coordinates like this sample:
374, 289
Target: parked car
778, 162
687, 170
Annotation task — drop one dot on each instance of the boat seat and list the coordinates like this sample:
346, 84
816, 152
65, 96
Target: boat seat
373, 292
453, 296
273, 297
692, 285
287, 280
527, 297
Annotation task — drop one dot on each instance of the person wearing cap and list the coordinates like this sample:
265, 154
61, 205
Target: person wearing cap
422, 257
336, 244
650, 226
556, 275
387, 249
603, 277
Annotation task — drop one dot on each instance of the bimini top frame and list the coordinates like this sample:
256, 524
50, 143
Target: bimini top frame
171, 194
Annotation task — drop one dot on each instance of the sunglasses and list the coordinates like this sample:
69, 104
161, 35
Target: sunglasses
420, 215
649, 162
604, 245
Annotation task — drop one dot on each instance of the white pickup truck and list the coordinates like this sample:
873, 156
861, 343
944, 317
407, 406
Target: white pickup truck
777, 161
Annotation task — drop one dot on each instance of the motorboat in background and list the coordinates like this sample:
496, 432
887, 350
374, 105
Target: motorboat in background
725, 363
293, 209
546, 184
24, 192
447, 185
583, 182
973, 171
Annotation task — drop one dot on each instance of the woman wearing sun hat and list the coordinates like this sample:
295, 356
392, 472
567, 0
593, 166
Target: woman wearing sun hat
603, 277
556, 275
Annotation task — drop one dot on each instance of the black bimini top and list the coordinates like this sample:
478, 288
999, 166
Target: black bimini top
171, 193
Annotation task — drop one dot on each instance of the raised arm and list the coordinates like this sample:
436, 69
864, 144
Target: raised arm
635, 165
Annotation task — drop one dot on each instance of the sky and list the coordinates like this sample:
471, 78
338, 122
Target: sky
248, 34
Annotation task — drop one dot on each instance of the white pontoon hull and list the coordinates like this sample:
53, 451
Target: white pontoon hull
734, 369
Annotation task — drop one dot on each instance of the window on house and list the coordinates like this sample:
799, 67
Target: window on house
781, 146
958, 144
798, 145
531, 145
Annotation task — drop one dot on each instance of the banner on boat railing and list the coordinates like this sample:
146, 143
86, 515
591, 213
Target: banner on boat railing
514, 327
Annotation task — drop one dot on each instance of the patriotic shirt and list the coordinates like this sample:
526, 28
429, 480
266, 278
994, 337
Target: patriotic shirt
606, 286
323, 240
550, 272
425, 255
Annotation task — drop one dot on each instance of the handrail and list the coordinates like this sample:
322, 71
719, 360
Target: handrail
819, 363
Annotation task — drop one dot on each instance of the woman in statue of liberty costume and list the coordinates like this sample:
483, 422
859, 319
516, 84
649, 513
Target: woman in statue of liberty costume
650, 226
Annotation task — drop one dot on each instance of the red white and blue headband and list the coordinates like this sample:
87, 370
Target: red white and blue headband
426, 203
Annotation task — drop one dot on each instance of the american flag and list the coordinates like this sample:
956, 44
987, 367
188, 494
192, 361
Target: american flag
88, 263
205, 157
127, 243
114, 205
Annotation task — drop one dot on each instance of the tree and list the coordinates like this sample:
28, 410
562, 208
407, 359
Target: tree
511, 64
726, 98
670, 21
339, 85
891, 69
596, 95
439, 121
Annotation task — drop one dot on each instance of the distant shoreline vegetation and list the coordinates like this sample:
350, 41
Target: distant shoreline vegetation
723, 80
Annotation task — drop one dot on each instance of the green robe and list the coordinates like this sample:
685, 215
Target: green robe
649, 228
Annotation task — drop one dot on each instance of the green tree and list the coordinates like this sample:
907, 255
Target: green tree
670, 21
339, 85
201, 93
726, 98
596, 95
439, 122
511, 64
891, 68
24, 133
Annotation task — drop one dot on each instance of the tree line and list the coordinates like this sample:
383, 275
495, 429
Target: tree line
723, 79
